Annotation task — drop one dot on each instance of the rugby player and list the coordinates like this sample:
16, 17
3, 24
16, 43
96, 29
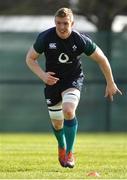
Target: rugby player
63, 77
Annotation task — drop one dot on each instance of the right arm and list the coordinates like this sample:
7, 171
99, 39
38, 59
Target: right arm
31, 60
111, 88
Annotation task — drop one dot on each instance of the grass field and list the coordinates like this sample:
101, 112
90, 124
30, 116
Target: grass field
34, 156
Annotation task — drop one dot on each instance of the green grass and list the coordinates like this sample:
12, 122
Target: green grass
34, 156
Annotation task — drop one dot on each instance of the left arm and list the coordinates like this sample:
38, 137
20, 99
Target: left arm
111, 88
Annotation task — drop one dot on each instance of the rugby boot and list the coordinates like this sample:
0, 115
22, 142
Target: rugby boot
70, 160
61, 156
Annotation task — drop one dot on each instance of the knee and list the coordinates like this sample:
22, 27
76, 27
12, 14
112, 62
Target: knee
57, 124
69, 113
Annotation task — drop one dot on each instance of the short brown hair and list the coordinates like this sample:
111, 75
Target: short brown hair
64, 12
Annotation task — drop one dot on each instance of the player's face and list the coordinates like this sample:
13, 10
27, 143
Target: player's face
63, 26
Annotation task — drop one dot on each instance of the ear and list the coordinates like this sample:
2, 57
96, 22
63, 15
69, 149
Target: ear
72, 24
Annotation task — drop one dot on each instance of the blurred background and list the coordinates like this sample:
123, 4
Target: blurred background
22, 103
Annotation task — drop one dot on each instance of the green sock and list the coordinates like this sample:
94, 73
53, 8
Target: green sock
59, 134
70, 130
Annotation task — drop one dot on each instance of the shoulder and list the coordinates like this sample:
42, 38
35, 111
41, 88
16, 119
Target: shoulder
42, 39
80, 36
76, 33
86, 42
46, 34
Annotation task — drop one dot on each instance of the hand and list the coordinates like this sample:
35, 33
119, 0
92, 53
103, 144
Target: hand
111, 90
49, 78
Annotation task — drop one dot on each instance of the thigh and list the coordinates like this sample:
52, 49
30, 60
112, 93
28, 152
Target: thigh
70, 98
52, 95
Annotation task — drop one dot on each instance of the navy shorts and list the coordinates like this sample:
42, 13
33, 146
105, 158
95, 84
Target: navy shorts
53, 93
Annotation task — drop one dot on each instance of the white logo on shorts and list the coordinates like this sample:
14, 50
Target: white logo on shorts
48, 101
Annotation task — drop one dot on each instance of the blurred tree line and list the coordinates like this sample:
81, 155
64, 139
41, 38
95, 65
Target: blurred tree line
99, 12
31, 7
102, 12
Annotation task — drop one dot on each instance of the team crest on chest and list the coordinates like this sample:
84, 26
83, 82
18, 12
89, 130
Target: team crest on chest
74, 47
52, 45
